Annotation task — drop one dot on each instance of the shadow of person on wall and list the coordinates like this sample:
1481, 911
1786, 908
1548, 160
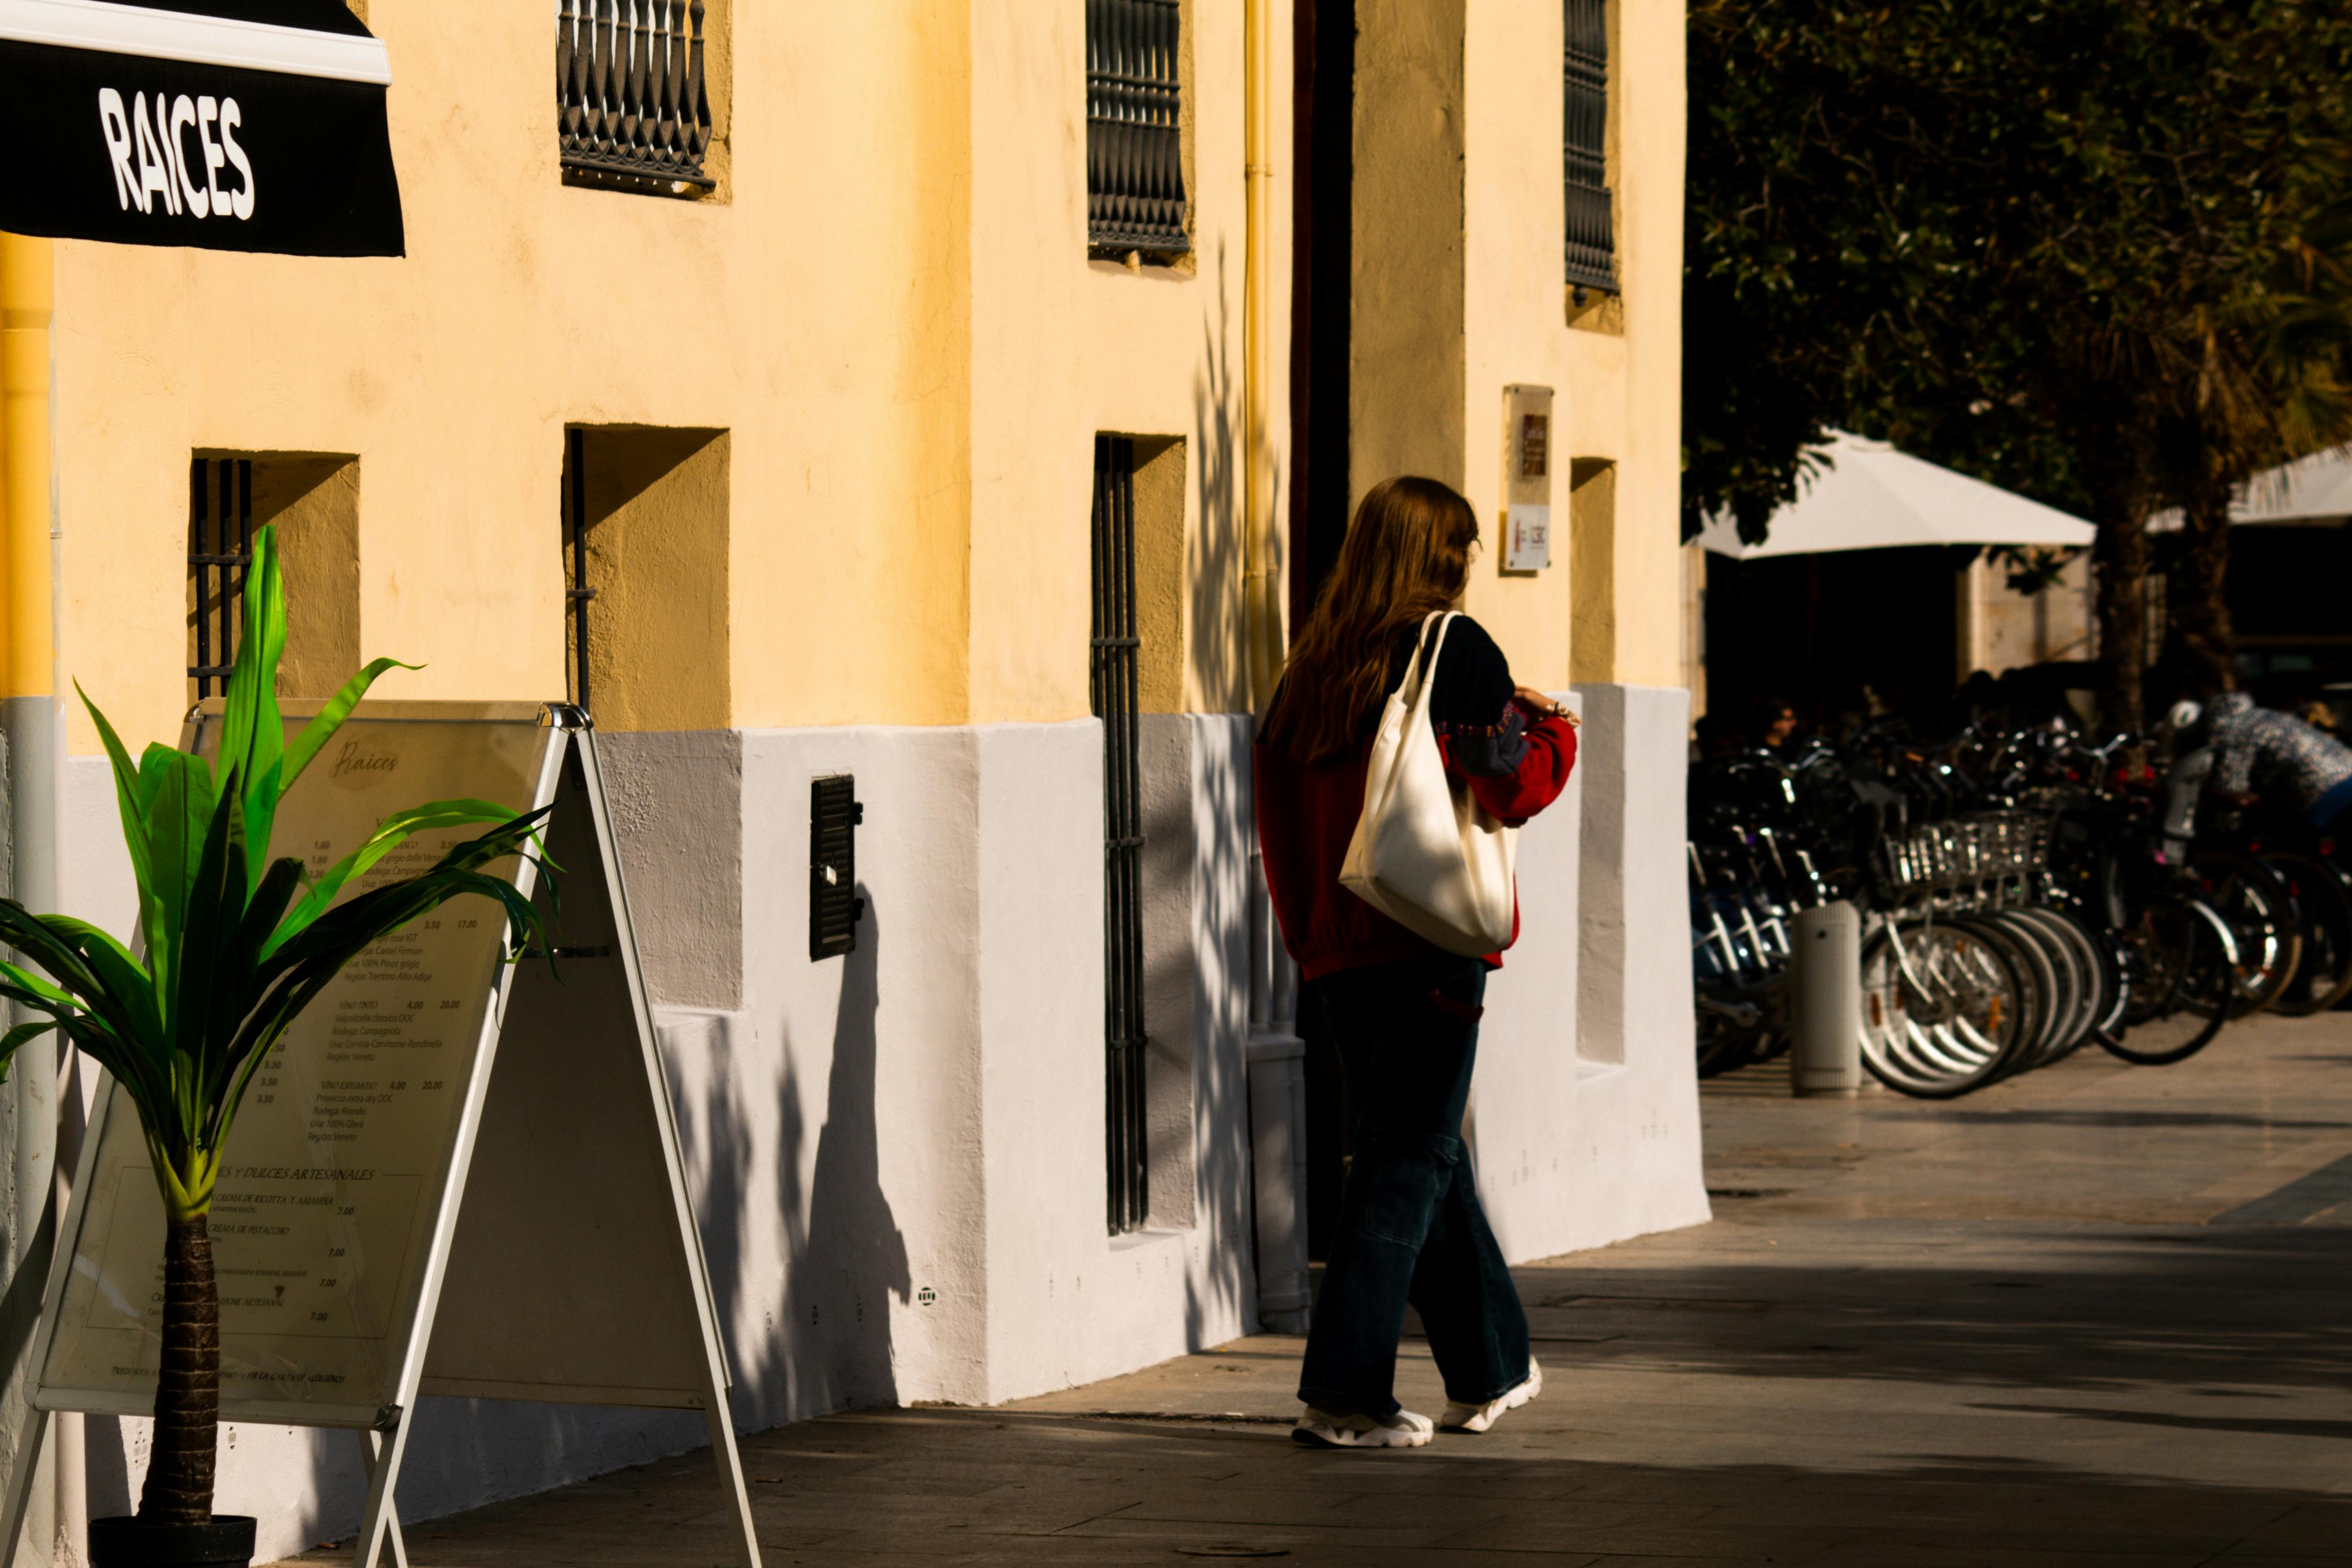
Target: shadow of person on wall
856, 1257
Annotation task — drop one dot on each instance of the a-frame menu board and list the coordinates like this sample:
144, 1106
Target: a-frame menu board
454, 1175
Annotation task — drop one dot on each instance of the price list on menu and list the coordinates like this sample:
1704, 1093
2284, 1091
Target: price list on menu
334, 1167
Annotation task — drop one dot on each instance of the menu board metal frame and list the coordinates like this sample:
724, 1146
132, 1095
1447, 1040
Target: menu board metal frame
596, 1366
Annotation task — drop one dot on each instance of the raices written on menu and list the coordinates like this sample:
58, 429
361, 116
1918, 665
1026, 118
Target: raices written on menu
323, 1207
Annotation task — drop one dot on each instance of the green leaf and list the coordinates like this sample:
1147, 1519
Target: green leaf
261, 818
380, 910
24, 979
22, 1035
252, 733
126, 797
307, 963
267, 905
99, 1020
322, 727
31, 935
389, 835
215, 907
180, 809
114, 967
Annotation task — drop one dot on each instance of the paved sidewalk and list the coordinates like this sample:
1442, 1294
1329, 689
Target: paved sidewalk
2093, 1317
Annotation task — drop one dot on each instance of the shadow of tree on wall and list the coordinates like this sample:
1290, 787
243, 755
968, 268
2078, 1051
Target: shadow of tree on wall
1216, 553
1198, 833
1223, 1288
819, 1341
726, 1166
822, 1341
1220, 656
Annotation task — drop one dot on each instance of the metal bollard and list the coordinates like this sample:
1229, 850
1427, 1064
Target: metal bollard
1825, 1002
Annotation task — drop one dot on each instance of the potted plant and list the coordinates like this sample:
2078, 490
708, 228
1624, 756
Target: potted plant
237, 944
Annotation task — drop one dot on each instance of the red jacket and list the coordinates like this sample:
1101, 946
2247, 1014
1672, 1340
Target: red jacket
1305, 817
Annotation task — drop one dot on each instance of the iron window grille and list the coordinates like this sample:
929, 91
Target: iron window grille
220, 554
1591, 227
577, 593
630, 107
1135, 152
1113, 682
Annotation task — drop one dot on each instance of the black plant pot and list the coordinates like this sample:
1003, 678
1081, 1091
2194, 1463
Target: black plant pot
226, 1542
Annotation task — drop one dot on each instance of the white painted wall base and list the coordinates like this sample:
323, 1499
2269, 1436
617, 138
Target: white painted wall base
304, 1485
899, 1156
1584, 1114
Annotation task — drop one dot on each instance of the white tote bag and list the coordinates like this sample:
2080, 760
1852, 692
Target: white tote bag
1425, 853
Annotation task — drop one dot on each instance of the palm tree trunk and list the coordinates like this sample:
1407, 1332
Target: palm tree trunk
2201, 599
179, 1487
2120, 553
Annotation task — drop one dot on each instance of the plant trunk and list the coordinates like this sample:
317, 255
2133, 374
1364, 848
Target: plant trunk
179, 1487
2120, 552
2200, 599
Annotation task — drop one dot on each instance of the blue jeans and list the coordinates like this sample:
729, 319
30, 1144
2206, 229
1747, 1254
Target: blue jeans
1411, 1229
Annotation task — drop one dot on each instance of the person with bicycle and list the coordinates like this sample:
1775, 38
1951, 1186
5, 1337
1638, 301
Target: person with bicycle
2258, 751
2289, 907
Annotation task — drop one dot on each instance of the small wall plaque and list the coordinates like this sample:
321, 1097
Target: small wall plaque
1526, 477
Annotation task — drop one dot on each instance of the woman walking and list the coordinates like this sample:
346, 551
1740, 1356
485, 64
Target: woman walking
1404, 1011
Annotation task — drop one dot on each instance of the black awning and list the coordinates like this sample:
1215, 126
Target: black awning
222, 124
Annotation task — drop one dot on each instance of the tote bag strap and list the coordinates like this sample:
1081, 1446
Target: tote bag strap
1421, 679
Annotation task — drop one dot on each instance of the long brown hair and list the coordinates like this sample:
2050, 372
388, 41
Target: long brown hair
1407, 554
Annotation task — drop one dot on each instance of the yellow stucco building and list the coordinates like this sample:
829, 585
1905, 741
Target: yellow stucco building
981, 336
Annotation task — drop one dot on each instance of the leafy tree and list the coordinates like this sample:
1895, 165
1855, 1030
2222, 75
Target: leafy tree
2269, 384
235, 945
2047, 242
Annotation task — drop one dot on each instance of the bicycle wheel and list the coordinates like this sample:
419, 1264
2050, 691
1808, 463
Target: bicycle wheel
2181, 979
1940, 1009
2323, 916
2086, 980
2039, 999
2247, 895
2078, 982
1726, 1044
2114, 962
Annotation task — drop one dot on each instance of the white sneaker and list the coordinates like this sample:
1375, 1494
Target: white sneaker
1322, 1429
1459, 1417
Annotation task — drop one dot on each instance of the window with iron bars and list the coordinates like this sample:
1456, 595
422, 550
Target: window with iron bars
577, 593
1115, 682
1135, 151
1591, 228
220, 550
631, 112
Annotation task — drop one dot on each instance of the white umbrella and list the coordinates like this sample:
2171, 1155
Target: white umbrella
2310, 490
1872, 497
2317, 489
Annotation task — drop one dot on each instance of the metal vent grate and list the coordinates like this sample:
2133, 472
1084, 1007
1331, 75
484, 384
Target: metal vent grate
1591, 227
835, 908
1115, 648
1135, 148
220, 550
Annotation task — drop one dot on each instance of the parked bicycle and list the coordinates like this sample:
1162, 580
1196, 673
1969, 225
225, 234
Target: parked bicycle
2024, 894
